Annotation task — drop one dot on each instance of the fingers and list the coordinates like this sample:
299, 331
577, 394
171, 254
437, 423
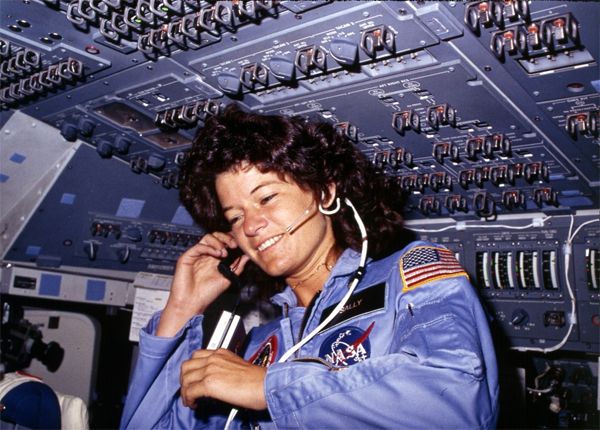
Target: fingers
220, 245
200, 376
214, 244
239, 264
201, 359
218, 240
224, 376
216, 353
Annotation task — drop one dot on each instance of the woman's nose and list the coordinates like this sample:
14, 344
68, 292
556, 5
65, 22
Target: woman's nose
254, 221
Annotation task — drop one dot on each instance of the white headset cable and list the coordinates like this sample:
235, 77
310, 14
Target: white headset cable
356, 277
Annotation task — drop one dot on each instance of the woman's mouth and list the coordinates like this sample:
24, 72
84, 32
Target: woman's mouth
269, 243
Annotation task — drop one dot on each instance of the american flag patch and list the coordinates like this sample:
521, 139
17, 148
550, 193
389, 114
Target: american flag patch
426, 263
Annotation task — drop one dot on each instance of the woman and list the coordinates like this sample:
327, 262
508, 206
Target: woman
397, 341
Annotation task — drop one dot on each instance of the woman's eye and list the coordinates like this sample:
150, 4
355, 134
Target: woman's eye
234, 220
267, 199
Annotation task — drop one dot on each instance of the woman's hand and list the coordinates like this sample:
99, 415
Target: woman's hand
222, 375
197, 281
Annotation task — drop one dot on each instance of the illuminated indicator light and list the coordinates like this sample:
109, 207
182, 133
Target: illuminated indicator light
91, 49
560, 22
483, 7
508, 35
533, 28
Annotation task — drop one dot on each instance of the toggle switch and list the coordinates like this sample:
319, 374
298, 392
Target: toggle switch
474, 146
513, 199
466, 177
123, 254
310, 58
91, 250
545, 195
429, 205
406, 120
377, 39
252, 74
456, 202
443, 114
484, 205
348, 130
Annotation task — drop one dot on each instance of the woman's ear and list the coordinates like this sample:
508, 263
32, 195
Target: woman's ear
328, 197
326, 204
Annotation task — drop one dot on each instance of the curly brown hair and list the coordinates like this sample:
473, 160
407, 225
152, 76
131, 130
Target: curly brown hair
310, 153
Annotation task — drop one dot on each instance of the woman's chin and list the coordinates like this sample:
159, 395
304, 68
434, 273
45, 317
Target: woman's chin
275, 269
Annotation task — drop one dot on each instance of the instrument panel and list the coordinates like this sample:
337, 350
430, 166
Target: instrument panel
478, 109
485, 112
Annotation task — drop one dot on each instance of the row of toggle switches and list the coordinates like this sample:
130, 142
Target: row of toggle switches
484, 204
539, 37
23, 79
157, 25
135, 234
307, 61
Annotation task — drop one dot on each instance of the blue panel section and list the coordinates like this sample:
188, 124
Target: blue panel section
575, 201
130, 208
3, 177
596, 85
95, 290
67, 199
33, 250
50, 285
17, 158
182, 217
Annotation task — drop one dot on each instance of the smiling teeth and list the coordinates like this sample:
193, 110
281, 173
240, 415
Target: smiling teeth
268, 243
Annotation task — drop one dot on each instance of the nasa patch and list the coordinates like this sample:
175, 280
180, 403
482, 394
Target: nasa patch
265, 355
347, 346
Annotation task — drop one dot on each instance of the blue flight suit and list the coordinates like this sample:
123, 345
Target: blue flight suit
410, 349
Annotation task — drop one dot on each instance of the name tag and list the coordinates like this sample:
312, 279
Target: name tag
369, 300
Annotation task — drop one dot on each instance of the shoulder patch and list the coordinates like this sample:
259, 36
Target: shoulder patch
265, 354
424, 264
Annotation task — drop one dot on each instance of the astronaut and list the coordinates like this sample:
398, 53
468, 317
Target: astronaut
374, 332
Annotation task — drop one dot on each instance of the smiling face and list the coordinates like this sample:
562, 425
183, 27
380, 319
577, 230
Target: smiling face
260, 207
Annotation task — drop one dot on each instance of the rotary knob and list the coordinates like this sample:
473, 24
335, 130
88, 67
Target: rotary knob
519, 317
